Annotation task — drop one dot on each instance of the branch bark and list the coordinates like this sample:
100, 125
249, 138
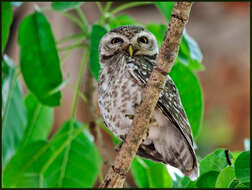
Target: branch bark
167, 56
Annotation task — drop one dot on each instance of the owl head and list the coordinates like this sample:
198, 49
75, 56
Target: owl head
128, 40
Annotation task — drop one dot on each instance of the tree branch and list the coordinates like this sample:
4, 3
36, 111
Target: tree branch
167, 56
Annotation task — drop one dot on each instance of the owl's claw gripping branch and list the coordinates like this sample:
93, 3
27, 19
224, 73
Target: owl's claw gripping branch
166, 57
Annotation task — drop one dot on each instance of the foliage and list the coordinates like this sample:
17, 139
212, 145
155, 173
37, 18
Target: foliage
70, 158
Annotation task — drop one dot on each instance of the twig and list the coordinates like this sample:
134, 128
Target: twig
167, 55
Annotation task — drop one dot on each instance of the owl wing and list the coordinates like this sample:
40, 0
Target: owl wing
169, 101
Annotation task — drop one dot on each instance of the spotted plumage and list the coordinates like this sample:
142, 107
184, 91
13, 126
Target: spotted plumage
127, 57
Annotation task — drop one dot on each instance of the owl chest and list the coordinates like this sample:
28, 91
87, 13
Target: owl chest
118, 102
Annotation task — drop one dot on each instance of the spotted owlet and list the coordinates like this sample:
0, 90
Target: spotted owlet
127, 57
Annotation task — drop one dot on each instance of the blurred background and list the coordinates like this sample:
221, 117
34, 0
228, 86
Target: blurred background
222, 31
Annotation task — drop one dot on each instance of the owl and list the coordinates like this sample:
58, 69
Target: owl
127, 57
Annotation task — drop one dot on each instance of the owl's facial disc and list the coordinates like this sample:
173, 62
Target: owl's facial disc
112, 43
144, 43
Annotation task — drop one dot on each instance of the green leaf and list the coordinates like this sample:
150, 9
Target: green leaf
158, 30
214, 161
165, 8
190, 93
242, 167
6, 14
39, 60
190, 53
149, 174
26, 164
40, 119
78, 164
207, 180
13, 110
96, 34
120, 21
225, 177
64, 6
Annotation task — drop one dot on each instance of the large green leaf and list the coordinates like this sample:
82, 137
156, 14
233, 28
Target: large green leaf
120, 21
40, 119
242, 167
214, 161
6, 18
207, 180
225, 177
78, 164
190, 93
32, 161
165, 8
64, 6
96, 34
39, 60
26, 164
13, 110
149, 174
158, 30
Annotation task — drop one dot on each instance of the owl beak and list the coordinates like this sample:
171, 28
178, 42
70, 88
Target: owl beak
130, 50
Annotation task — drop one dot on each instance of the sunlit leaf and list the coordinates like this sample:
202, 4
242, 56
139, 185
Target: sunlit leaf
190, 93
149, 174
190, 53
247, 144
242, 167
40, 119
225, 177
6, 18
26, 164
78, 164
16, 3
64, 6
165, 8
39, 60
13, 110
214, 161
96, 34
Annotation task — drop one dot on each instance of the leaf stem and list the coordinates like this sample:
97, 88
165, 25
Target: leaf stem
129, 5
73, 46
99, 6
77, 87
74, 20
106, 9
31, 124
83, 20
108, 5
71, 37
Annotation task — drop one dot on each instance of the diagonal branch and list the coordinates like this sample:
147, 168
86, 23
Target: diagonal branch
167, 56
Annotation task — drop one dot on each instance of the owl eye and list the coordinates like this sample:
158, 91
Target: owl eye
116, 40
143, 39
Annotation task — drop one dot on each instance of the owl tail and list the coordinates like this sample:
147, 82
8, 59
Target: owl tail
175, 150
194, 173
